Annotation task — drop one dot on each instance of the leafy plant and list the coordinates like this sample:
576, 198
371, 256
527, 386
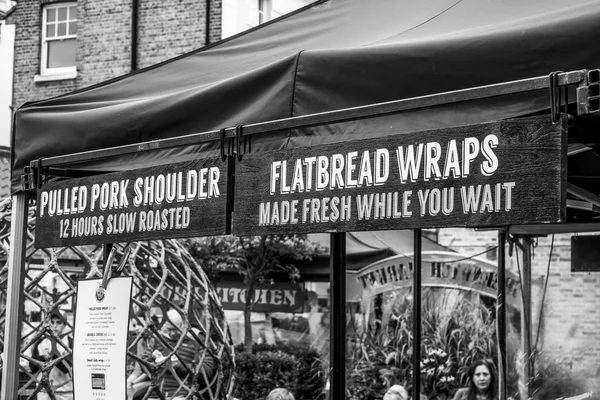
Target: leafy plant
298, 369
554, 379
454, 334
438, 372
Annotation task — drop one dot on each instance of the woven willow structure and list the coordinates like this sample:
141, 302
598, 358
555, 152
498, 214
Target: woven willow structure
165, 277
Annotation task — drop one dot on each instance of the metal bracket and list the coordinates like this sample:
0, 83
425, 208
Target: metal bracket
28, 179
222, 144
588, 94
34, 176
554, 96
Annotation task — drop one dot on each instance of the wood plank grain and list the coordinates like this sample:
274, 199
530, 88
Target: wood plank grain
170, 201
519, 178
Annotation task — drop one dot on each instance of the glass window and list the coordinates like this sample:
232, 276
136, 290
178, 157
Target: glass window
59, 40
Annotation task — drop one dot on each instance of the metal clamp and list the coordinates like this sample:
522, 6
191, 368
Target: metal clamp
554, 96
588, 94
222, 143
38, 175
28, 179
34, 176
238, 142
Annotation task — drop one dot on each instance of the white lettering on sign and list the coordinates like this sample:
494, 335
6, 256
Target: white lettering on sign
326, 209
115, 205
334, 172
169, 188
63, 201
369, 168
410, 159
430, 161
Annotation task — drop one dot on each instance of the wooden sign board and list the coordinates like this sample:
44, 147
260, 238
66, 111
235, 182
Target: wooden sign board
168, 201
492, 174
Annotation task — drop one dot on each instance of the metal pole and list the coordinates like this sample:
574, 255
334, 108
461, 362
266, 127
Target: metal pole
526, 317
15, 297
416, 330
501, 315
337, 343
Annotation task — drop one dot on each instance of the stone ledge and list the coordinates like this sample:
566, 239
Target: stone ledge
55, 77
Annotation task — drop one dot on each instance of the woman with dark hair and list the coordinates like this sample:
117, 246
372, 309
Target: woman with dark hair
482, 382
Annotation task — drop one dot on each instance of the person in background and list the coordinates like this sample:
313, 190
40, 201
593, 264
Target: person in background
138, 381
178, 370
60, 377
280, 394
482, 382
396, 392
399, 392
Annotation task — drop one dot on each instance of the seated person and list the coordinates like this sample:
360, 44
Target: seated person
181, 368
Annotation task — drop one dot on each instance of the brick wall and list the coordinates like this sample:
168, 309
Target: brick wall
570, 324
27, 18
177, 29
103, 40
166, 29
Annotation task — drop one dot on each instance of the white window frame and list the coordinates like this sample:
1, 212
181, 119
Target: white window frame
64, 72
264, 11
259, 12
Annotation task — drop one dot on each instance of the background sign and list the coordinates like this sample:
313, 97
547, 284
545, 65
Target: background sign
177, 200
437, 270
279, 297
500, 173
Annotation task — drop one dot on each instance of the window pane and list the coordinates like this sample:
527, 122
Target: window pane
50, 32
62, 29
61, 53
51, 14
73, 12
62, 14
72, 28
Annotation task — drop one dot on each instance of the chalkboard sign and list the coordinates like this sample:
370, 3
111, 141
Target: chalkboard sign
585, 253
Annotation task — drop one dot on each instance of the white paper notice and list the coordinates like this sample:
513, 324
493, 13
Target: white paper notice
100, 340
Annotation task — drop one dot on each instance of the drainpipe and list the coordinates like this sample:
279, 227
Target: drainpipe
207, 28
134, 34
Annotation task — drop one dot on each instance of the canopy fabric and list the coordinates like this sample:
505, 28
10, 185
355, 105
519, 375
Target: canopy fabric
331, 55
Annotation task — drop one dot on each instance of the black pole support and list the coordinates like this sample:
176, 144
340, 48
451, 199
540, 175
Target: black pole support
416, 330
337, 343
501, 315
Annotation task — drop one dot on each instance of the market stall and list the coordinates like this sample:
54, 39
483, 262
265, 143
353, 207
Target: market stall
328, 82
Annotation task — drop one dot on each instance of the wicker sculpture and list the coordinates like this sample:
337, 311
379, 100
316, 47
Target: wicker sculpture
166, 279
